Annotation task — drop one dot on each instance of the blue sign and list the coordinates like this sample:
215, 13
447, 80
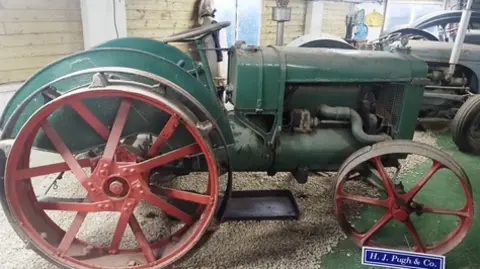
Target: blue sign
401, 259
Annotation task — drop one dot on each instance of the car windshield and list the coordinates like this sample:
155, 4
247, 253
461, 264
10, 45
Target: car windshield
404, 13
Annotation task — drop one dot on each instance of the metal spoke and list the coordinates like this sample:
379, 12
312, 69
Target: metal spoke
91, 119
164, 135
117, 129
141, 240
384, 220
183, 195
413, 231
364, 200
384, 176
69, 204
72, 232
165, 158
58, 143
168, 208
445, 211
125, 215
413, 191
48, 169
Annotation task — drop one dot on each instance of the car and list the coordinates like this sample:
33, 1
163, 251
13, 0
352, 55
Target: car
436, 26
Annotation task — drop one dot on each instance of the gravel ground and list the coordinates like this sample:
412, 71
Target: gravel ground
269, 244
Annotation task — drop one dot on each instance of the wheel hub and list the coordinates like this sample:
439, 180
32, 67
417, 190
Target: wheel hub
116, 187
401, 214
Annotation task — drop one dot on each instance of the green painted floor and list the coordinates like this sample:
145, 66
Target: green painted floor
467, 254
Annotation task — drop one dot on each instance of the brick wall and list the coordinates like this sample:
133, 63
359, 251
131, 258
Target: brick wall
293, 28
158, 18
334, 17
34, 33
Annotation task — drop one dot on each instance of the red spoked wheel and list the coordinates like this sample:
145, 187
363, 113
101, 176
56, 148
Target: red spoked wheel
422, 201
115, 182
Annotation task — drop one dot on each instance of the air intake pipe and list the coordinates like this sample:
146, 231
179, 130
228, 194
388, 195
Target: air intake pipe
348, 114
281, 14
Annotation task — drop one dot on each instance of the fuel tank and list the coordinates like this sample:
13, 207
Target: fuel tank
259, 76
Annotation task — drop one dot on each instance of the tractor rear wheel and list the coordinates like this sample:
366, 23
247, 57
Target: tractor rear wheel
466, 126
114, 185
429, 211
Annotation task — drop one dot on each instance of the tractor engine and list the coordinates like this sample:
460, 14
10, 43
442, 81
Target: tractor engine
320, 105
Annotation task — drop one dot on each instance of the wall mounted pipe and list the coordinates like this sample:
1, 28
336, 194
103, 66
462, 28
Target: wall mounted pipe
462, 30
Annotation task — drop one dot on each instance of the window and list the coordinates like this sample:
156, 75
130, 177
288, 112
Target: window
245, 16
249, 21
406, 12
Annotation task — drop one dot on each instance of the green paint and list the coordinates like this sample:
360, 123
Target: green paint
411, 103
465, 256
261, 80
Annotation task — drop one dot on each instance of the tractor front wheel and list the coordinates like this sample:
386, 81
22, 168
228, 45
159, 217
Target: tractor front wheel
424, 203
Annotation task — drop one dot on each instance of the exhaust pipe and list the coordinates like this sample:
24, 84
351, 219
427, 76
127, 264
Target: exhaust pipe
462, 30
281, 13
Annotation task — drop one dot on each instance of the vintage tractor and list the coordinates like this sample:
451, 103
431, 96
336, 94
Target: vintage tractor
129, 117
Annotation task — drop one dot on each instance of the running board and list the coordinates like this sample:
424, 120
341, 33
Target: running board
261, 205
252, 205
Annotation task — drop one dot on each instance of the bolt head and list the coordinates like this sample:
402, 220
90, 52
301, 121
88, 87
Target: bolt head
132, 263
124, 170
129, 204
102, 172
142, 192
132, 170
105, 165
87, 249
89, 184
117, 188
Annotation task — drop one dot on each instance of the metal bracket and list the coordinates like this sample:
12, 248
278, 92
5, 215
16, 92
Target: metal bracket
99, 80
282, 14
50, 93
205, 127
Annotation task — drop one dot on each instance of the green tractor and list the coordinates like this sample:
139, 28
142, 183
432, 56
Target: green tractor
128, 117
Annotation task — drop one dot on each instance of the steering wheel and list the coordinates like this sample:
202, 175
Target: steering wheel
196, 33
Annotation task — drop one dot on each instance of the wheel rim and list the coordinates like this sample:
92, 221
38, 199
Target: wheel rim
474, 130
400, 206
117, 184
